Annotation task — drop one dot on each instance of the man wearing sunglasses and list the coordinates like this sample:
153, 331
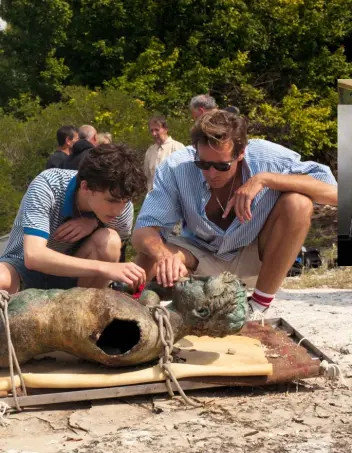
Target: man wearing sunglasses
246, 207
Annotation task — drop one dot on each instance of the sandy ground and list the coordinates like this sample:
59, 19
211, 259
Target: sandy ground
312, 417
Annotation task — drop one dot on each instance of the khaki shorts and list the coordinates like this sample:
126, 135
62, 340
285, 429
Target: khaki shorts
246, 265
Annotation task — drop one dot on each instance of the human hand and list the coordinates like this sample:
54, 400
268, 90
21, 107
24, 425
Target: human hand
243, 197
75, 229
170, 269
129, 273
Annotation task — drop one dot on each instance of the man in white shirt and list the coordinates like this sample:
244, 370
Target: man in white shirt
162, 148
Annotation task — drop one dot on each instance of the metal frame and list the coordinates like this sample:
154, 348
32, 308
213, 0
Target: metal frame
297, 336
153, 388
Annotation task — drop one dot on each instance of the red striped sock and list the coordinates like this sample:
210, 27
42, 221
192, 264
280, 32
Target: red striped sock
261, 298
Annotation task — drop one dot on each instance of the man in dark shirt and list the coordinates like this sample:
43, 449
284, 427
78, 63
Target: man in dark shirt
66, 137
87, 140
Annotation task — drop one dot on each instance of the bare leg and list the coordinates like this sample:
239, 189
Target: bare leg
103, 245
149, 265
282, 238
9, 278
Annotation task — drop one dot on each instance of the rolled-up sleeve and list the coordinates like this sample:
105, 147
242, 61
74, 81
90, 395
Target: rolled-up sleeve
37, 204
317, 171
263, 155
161, 208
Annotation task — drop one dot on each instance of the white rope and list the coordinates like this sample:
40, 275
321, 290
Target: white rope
333, 371
330, 370
3, 409
5, 299
300, 341
162, 317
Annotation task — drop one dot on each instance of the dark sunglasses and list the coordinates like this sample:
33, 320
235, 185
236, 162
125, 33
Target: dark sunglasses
219, 166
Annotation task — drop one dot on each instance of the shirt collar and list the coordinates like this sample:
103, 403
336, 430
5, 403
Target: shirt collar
168, 140
67, 208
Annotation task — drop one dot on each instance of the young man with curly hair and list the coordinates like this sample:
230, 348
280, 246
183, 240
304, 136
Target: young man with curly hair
245, 206
70, 225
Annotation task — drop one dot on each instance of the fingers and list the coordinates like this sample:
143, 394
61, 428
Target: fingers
238, 208
73, 236
67, 231
125, 279
244, 207
138, 275
247, 209
161, 276
241, 207
176, 266
76, 238
62, 231
241, 203
183, 271
132, 274
228, 207
169, 270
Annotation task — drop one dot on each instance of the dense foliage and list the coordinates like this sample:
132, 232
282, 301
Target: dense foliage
112, 63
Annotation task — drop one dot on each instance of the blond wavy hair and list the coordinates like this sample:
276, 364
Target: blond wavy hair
217, 127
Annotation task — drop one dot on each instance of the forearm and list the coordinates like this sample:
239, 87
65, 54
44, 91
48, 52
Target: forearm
147, 240
318, 191
54, 263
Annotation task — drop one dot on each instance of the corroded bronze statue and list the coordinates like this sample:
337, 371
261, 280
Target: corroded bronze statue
111, 328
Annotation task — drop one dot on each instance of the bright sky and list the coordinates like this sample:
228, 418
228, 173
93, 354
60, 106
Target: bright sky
2, 24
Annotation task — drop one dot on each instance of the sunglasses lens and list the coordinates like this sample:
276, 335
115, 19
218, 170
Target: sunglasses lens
202, 165
221, 166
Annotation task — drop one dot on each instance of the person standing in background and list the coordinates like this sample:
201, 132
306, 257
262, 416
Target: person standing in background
163, 147
66, 137
104, 138
87, 141
200, 104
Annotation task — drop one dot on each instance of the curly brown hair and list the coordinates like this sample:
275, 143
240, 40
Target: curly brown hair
219, 126
113, 167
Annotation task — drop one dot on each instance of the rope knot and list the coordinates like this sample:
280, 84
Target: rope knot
167, 338
4, 299
333, 371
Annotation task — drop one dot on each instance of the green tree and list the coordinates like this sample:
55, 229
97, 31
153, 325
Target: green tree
9, 197
30, 44
303, 121
162, 50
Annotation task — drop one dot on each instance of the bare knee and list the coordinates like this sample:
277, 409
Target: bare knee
107, 243
9, 278
295, 208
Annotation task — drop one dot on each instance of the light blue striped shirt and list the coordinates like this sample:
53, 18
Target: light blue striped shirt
180, 192
47, 204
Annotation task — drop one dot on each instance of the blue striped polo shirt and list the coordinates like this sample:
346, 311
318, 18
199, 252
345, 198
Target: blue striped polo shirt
47, 204
180, 192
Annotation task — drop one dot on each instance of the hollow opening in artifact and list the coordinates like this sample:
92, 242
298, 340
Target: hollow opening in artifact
119, 337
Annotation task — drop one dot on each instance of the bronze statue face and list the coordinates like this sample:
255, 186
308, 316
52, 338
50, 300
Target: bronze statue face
217, 304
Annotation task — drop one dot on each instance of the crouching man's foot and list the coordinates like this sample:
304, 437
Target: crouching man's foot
259, 304
256, 312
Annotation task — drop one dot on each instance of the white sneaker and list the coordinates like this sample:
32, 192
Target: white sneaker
256, 313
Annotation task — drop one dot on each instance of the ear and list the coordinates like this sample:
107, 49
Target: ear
241, 156
202, 312
84, 186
